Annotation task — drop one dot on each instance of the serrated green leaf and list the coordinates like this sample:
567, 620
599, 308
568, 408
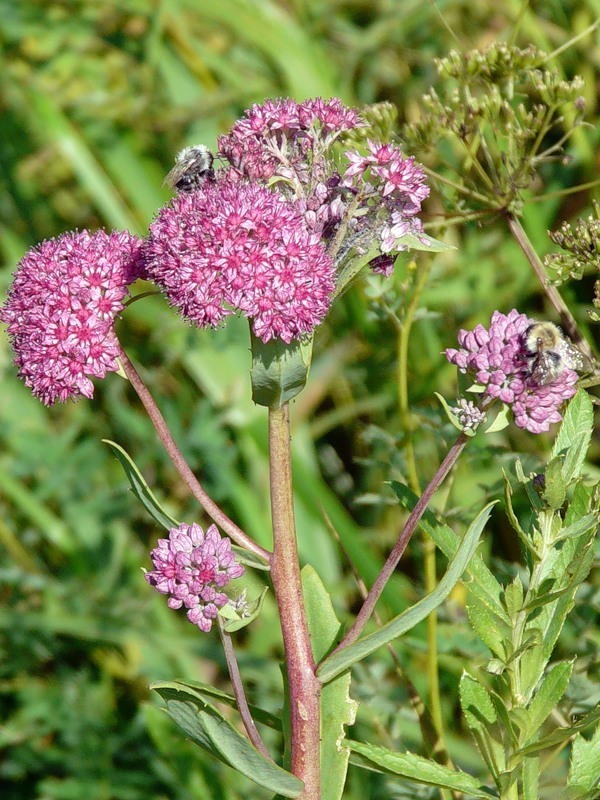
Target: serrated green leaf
482, 582
513, 595
584, 772
344, 659
337, 708
141, 489
574, 436
421, 770
480, 714
547, 697
279, 370
531, 779
581, 526
561, 735
488, 626
206, 726
555, 487
476, 703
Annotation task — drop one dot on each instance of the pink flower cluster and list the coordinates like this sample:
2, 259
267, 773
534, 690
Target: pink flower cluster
496, 357
191, 566
276, 137
239, 246
385, 176
61, 309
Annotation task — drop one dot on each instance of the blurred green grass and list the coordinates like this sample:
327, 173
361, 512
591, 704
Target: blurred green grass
95, 100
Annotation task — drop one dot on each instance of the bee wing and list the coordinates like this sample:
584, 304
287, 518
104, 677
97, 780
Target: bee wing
575, 359
174, 175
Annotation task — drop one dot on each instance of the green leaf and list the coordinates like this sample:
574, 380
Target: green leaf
501, 419
482, 582
279, 370
560, 735
452, 418
581, 526
488, 626
208, 690
422, 241
337, 709
206, 726
141, 489
480, 714
421, 770
476, 703
584, 772
344, 659
575, 435
513, 519
555, 486
249, 559
233, 620
547, 697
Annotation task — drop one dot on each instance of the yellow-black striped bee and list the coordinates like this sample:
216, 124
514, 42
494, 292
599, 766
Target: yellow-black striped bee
549, 353
193, 167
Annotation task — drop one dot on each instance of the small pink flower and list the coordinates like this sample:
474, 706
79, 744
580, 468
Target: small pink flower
497, 359
61, 309
190, 566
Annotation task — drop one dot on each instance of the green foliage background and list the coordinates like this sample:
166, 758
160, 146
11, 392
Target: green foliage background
96, 97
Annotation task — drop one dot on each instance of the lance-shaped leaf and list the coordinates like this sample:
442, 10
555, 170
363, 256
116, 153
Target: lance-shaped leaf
344, 659
420, 770
482, 581
207, 727
141, 489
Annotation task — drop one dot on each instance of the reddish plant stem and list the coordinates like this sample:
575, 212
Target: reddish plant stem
567, 319
238, 690
304, 688
400, 546
181, 465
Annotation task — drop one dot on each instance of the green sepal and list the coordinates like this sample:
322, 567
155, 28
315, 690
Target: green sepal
209, 729
279, 370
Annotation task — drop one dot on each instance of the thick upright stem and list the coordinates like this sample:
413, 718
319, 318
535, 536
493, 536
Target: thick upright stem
304, 688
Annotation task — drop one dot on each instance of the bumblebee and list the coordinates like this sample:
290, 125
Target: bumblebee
193, 167
549, 353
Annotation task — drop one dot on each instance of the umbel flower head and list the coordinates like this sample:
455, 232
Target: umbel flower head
239, 246
497, 359
61, 309
191, 566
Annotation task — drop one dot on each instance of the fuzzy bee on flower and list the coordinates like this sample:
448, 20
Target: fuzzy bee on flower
549, 353
193, 167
